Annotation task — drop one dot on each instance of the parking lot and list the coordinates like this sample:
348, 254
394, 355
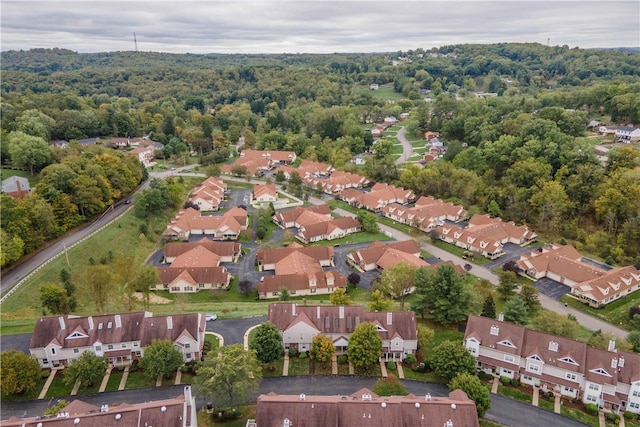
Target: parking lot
551, 288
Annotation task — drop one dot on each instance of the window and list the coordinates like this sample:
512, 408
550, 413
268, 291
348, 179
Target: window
175, 289
570, 376
634, 405
110, 347
188, 288
292, 292
76, 350
569, 389
123, 345
53, 350
187, 345
591, 398
201, 285
593, 386
188, 356
313, 290
98, 348
135, 344
275, 294
301, 337
636, 393
509, 358
533, 367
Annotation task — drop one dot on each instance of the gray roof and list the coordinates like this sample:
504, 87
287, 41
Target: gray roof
15, 183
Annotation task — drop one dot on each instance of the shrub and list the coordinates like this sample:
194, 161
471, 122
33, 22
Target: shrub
629, 415
44, 373
592, 408
612, 417
303, 355
410, 359
422, 367
184, 369
515, 382
292, 351
489, 377
342, 359
505, 380
391, 365
548, 394
482, 375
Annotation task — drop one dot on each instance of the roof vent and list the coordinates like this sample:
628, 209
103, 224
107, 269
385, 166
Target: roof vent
104, 408
302, 396
427, 396
286, 423
453, 406
163, 409
383, 404
118, 416
76, 421
417, 404
501, 317
449, 423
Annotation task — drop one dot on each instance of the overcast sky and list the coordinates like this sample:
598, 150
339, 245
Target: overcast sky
277, 26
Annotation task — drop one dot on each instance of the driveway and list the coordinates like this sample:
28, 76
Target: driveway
551, 288
232, 330
512, 253
15, 342
407, 149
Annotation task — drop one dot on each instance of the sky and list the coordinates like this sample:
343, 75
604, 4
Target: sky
279, 26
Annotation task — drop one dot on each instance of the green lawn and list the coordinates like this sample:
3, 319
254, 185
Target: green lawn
30, 395
616, 312
513, 392
58, 388
384, 91
114, 380
578, 415
7, 172
428, 377
248, 412
360, 237
137, 379
298, 366
476, 258
277, 372
544, 404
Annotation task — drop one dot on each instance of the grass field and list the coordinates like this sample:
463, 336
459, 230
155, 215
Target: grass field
616, 312
384, 91
6, 173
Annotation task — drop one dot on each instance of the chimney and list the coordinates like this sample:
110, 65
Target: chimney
90, 320
612, 346
169, 322
293, 309
389, 318
61, 320
341, 311
501, 317
118, 321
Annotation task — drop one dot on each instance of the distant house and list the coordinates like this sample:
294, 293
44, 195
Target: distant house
380, 195
145, 155
328, 230
403, 117
426, 214
359, 160
264, 193
374, 86
390, 121
16, 186
227, 251
121, 338
276, 157
380, 256
365, 408
298, 324
88, 141
607, 130
627, 134
60, 143
209, 194
299, 216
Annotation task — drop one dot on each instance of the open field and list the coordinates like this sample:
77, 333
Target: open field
385, 92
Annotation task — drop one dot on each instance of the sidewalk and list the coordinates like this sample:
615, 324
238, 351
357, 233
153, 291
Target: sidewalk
285, 366
400, 370
494, 386
123, 381
105, 380
383, 368
47, 384
536, 396
178, 376
334, 364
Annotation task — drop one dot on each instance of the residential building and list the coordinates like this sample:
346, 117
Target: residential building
627, 134
16, 186
298, 324
328, 230
227, 251
299, 216
180, 411
120, 338
593, 285
486, 235
275, 157
194, 270
338, 181
379, 255
253, 166
607, 378
364, 408
264, 193
145, 155
426, 214
191, 222
374, 86
308, 168
208, 195
298, 269
380, 196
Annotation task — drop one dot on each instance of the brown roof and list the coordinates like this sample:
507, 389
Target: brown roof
365, 408
292, 215
616, 281
278, 156
480, 328
325, 228
272, 256
375, 251
189, 219
301, 281
264, 189
194, 274
223, 249
196, 257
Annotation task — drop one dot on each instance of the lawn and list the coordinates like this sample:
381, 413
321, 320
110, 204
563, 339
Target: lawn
30, 395
7, 172
578, 415
298, 366
360, 237
114, 380
137, 379
58, 388
513, 393
276, 372
428, 377
248, 412
384, 91
616, 313
544, 404
214, 340
455, 250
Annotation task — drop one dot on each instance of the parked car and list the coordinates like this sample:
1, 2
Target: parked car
210, 316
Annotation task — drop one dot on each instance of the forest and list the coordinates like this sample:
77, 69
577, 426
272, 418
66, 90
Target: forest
524, 154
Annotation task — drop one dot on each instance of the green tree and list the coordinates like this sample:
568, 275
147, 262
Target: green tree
382, 148
35, 123
161, 358
507, 284
11, 248
365, 346
147, 277
229, 376
339, 297
389, 386
54, 299
489, 307
556, 324
322, 348
442, 295
368, 222
529, 295
89, 369
475, 390
100, 285
379, 302
284, 293
29, 152
515, 311
19, 372
450, 359
397, 281
634, 339
425, 334
266, 341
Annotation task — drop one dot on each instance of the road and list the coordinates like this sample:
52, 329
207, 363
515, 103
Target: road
503, 410
407, 148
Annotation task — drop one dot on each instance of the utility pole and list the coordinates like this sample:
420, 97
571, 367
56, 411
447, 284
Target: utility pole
135, 42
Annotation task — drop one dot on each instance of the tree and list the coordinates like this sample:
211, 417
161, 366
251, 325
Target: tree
450, 359
244, 286
284, 293
389, 386
397, 281
266, 341
229, 376
475, 390
601, 339
515, 311
508, 284
100, 283
379, 302
489, 307
19, 371
88, 369
339, 297
529, 295
161, 358
556, 324
55, 299
634, 339
368, 222
425, 334
29, 152
365, 346
146, 278
322, 348
353, 279
442, 295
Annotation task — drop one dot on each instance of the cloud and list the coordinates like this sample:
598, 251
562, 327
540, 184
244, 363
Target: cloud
311, 26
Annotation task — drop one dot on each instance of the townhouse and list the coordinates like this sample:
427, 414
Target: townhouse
298, 324
366, 409
298, 269
328, 230
190, 222
426, 214
380, 196
275, 157
227, 251
308, 168
627, 134
120, 338
253, 166
264, 193
379, 255
486, 235
591, 284
208, 195
607, 378
299, 216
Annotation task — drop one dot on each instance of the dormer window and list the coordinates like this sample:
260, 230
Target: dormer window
76, 335
568, 360
507, 343
600, 371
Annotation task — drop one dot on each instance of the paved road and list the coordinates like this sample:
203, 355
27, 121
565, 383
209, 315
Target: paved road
505, 411
407, 148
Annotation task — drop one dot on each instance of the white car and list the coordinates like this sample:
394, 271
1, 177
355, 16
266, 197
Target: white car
210, 316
